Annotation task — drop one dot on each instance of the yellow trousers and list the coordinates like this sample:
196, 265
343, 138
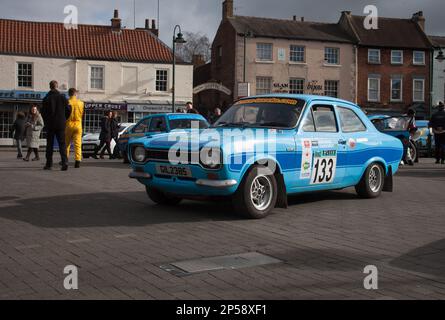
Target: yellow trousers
73, 133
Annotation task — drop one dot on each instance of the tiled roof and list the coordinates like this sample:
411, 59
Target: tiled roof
391, 32
290, 29
48, 39
438, 41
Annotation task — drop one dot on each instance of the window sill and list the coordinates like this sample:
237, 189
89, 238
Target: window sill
332, 65
397, 64
294, 63
373, 101
374, 63
96, 91
419, 64
265, 61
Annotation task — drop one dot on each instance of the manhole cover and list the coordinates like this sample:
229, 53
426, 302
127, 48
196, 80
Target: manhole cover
236, 261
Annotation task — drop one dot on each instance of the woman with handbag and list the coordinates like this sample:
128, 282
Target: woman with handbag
33, 127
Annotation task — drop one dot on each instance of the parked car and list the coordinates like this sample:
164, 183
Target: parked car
425, 143
397, 126
90, 141
153, 125
265, 148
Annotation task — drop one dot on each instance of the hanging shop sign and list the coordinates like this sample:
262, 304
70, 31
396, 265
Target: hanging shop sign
314, 86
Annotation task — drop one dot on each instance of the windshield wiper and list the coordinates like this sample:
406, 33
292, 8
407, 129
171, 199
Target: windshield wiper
232, 124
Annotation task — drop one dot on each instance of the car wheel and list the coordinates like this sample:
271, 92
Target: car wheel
371, 184
160, 197
257, 194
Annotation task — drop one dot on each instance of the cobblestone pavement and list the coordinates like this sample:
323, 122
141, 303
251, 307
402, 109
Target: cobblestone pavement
102, 222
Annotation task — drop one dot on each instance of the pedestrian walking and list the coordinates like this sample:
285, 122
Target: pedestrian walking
33, 127
18, 132
114, 127
104, 137
55, 112
437, 122
73, 131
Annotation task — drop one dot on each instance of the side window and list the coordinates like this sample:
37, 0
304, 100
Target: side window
308, 123
324, 118
158, 124
142, 127
350, 121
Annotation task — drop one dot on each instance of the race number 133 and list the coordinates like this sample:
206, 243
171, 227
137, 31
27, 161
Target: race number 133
324, 164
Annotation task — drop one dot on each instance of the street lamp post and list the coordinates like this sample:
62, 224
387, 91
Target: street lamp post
177, 38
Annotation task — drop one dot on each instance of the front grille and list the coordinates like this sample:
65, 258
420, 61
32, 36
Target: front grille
162, 155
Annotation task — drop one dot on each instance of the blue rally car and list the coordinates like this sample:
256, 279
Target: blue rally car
155, 124
265, 148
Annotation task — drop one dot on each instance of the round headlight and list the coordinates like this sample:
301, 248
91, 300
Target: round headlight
139, 154
210, 158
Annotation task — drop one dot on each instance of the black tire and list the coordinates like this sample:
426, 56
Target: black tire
371, 184
160, 197
86, 156
244, 200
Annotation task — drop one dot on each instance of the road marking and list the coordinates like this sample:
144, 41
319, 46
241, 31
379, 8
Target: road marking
123, 236
79, 240
30, 246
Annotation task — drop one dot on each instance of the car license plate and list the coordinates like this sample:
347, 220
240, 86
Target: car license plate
88, 147
174, 171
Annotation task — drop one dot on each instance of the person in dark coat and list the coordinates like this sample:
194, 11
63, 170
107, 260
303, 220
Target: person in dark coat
437, 122
55, 112
105, 136
114, 125
18, 132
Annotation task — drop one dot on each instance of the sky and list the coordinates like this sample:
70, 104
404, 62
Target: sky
204, 16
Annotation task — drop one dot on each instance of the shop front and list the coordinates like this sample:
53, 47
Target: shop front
138, 111
95, 111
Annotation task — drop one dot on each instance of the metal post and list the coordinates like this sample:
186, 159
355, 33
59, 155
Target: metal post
244, 72
174, 75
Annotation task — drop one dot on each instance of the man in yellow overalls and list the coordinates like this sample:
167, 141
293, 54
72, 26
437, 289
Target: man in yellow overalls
73, 131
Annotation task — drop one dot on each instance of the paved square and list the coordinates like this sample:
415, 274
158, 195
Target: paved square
99, 220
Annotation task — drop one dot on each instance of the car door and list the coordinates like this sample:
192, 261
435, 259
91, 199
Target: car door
158, 124
320, 143
358, 141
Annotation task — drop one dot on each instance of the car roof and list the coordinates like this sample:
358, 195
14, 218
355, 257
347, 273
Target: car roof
307, 97
176, 116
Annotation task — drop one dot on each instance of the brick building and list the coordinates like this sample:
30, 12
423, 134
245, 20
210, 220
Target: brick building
252, 55
127, 70
393, 63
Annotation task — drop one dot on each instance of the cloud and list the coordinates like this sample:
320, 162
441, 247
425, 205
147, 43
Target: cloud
205, 15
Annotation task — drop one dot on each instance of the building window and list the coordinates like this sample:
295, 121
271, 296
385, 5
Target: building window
396, 57
396, 89
161, 80
263, 85
24, 75
418, 90
97, 77
419, 57
219, 53
374, 56
296, 86
332, 55
264, 51
297, 53
6, 122
92, 121
331, 88
373, 89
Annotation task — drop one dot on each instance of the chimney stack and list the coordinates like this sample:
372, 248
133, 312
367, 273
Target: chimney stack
147, 24
294, 18
302, 19
227, 9
420, 19
116, 25
198, 60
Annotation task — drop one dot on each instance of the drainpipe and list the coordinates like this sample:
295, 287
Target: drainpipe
356, 73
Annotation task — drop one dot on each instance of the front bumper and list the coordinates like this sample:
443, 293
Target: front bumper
216, 183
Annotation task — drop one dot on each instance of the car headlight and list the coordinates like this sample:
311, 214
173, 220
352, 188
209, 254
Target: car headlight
210, 158
139, 154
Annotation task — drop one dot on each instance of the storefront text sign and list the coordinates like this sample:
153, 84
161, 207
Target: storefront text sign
22, 95
149, 108
212, 86
106, 106
313, 86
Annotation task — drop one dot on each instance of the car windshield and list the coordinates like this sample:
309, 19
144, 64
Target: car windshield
187, 124
263, 112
